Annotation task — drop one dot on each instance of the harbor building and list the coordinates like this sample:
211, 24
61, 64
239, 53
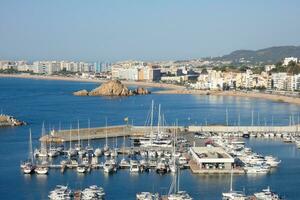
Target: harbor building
211, 159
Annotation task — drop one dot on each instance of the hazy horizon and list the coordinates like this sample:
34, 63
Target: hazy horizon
143, 30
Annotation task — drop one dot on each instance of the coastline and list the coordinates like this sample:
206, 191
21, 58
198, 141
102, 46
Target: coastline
271, 97
170, 88
61, 78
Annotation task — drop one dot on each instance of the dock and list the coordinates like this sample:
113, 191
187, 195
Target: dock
137, 131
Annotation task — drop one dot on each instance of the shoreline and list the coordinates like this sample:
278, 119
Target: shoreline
170, 88
271, 97
75, 79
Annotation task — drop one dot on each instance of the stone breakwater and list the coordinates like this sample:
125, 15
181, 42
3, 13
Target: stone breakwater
6, 120
112, 88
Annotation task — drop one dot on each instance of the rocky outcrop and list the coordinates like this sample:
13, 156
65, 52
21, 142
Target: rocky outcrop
112, 88
81, 93
141, 91
6, 120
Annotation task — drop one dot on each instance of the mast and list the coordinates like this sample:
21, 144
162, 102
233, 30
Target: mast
252, 122
158, 121
151, 121
70, 136
231, 180
30, 147
89, 127
226, 116
78, 133
106, 132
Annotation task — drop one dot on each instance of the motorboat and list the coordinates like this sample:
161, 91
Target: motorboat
43, 170
134, 166
266, 194
98, 152
147, 196
108, 166
81, 169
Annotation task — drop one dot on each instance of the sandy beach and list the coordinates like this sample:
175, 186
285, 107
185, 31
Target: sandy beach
171, 89
271, 97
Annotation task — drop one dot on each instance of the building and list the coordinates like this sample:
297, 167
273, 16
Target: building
211, 158
286, 61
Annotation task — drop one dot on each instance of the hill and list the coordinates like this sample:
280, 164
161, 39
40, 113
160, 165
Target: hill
267, 55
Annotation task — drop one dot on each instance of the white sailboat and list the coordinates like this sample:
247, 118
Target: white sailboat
42, 152
28, 166
71, 152
233, 195
174, 192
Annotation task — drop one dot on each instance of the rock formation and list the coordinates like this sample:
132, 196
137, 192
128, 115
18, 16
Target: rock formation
112, 88
81, 93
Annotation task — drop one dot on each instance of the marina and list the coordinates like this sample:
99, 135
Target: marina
198, 186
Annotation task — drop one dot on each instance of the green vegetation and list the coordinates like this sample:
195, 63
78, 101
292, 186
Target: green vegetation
291, 68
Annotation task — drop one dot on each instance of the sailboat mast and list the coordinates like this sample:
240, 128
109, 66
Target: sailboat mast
158, 121
231, 180
30, 147
106, 132
89, 127
70, 136
78, 133
151, 121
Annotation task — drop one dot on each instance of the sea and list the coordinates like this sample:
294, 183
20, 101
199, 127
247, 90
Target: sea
52, 103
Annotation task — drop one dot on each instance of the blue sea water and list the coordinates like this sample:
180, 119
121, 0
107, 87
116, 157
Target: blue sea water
52, 102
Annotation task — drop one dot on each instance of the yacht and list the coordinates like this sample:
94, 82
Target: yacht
108, 166
93, 192
273, 162
41, 170
81, 168
147, 196
161, 166
60, 193
134, 166
124, 163
256, 169
98, 152
266, 194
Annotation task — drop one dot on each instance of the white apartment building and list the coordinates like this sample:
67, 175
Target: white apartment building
289, 59
279, 80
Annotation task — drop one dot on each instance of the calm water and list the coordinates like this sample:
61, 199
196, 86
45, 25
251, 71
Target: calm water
35, 101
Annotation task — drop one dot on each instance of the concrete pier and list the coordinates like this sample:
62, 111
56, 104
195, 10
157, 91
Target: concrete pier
136, 131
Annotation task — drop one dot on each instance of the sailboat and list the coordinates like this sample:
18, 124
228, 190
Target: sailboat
78, 146
28, 166
42, 152
233, 195
124, 163
106, 147
71, 152
174, 192
89, 148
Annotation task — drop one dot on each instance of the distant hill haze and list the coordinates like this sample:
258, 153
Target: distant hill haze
268, 55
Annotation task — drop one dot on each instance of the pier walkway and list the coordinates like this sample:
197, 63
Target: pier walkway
136, 131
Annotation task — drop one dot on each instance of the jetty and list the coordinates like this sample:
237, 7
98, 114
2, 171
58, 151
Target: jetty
137, 131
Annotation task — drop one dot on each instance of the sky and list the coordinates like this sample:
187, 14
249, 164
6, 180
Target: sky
112, 30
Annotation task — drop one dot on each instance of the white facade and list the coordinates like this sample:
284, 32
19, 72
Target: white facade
289, 59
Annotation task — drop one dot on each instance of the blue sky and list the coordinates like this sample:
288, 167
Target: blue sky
143, 29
